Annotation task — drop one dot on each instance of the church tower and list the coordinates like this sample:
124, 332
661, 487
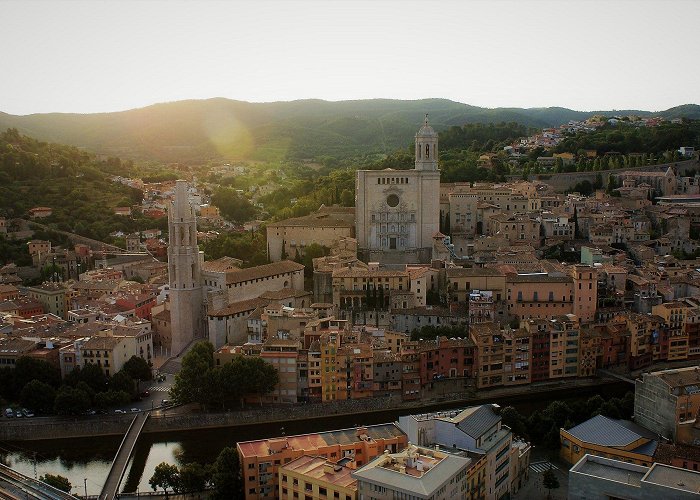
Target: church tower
426, 147
186, 306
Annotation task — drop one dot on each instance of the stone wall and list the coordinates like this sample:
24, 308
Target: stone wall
442, 393
564, 181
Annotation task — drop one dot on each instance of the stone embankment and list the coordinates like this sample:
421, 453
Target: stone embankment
183, 418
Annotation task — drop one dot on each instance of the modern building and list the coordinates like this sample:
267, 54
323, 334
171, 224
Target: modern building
398, 211
414, 473
602, 436
476, 429
184, 261
598, 478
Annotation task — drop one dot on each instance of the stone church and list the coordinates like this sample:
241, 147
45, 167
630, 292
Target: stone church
398, 211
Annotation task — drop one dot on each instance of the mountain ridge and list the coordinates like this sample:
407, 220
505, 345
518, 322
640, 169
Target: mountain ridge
197, 130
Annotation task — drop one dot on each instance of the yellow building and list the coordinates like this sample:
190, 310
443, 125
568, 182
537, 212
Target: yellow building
316, 477
674, 315
605, 437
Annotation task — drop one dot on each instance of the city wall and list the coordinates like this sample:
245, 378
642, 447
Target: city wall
562, 182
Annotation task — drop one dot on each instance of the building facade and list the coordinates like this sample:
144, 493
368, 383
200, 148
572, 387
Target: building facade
398, 211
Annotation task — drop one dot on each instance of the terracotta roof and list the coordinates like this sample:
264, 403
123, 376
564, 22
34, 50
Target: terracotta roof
240, 307
221, 265
264, 271
462, 272
102, 343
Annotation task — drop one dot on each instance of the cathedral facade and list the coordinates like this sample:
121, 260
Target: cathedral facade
184, 272
398, 211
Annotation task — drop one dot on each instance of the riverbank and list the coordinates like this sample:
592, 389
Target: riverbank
190, 418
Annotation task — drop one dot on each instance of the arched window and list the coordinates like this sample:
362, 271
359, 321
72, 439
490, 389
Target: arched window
434, 151
420, 151
427, 151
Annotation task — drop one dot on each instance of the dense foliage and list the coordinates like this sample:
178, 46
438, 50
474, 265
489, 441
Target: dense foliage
542, 426
225, 386
37, 385
71, 182
223, 477
431, 332
624, 138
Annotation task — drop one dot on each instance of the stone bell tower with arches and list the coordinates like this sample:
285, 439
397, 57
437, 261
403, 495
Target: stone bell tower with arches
426, 147
397, 212
184, 264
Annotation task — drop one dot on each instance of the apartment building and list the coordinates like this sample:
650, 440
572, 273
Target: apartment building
262, 459
316, 477
416, 472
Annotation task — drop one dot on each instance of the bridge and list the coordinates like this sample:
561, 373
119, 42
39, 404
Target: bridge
609, 374
16, 486
126, 448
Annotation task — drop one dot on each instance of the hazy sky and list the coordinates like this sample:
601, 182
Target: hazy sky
105, 56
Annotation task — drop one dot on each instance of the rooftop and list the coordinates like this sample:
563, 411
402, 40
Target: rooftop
415, 470
264, 271
673, 477
321, 469
606, 431
310, 442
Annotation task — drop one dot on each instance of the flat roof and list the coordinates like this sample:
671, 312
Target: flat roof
315, 467
612, 470
674, 477
267, 447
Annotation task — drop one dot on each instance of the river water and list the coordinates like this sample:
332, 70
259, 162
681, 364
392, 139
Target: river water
86, 461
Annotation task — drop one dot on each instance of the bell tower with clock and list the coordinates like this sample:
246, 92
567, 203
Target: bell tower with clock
397, 211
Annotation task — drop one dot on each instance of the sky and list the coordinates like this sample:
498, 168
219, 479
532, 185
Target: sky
100, 55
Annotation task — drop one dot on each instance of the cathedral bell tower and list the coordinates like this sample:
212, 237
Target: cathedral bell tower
426, 147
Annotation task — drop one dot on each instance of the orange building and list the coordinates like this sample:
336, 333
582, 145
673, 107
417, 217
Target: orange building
262, 459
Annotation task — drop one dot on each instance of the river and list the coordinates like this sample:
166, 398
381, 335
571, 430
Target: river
86, 461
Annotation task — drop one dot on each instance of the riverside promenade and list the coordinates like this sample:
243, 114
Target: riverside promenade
191, 417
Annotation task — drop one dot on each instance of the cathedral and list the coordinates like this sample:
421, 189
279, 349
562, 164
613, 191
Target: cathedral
184, 269
398, 211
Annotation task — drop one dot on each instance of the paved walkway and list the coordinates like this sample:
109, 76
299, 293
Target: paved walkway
540, 461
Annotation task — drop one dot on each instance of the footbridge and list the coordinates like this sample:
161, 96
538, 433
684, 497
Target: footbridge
126, 448
609, 374
14, 485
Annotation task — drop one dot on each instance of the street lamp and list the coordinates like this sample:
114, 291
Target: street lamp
85, 484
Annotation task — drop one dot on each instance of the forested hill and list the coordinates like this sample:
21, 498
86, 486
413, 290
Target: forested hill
198, 130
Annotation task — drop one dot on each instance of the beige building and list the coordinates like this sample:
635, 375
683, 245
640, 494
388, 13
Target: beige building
53, 296
398, 211
108, 352
316, 477
251, 282
289, 238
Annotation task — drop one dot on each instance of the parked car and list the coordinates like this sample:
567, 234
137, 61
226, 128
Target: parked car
165, 402
119, 412
9, 413
135, 410
18, 414
27, 413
